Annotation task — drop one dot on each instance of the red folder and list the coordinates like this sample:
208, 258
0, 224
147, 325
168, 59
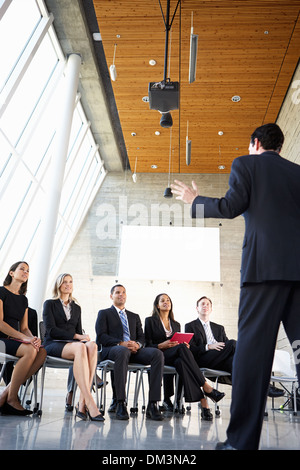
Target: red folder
182, 337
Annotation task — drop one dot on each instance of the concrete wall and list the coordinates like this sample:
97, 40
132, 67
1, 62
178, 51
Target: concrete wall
93, 261
289, 121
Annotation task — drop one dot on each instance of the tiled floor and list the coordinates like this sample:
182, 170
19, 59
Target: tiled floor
59, 430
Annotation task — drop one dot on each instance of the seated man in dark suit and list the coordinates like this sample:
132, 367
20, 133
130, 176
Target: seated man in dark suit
124, 343
212, 348
210, 345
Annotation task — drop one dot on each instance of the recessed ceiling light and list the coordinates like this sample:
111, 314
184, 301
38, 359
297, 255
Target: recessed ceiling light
97, 37
133, 134
152, 62
236, 98
145, 99
157, 133
220, 132
221, 167
153, 166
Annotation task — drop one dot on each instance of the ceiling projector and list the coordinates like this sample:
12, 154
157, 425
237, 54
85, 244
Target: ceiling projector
163, 96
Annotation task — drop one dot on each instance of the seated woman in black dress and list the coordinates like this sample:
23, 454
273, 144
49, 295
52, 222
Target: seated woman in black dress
159, 329
15, 337
64, 338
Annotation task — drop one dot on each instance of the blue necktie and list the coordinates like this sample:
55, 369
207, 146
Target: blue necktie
126, 334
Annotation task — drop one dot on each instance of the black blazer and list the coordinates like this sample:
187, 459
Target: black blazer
55, 321
155, 333
109, 329
264, 188
198, 342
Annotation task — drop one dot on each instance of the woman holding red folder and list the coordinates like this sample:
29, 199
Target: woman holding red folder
159, 330
16, 339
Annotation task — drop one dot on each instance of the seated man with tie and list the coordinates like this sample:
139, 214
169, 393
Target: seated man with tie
210, 345
121, 336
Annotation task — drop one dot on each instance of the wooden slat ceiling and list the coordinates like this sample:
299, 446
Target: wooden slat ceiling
248, 48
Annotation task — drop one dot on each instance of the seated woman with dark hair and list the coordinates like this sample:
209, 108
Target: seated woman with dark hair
159, 329
16, 338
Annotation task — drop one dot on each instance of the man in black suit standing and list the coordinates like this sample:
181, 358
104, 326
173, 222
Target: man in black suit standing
121, 336
210, 345
265, 188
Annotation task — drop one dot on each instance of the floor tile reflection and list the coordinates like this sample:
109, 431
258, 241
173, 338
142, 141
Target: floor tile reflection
60, 430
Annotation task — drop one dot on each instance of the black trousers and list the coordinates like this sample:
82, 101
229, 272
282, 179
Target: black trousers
190, 375
262, 308
221, 360
122, 357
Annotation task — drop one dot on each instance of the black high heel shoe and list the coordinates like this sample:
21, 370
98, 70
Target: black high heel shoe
7, 409
80, 414
215, 395
99, 417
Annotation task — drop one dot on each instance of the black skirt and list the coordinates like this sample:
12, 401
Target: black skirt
54, 348
9, 346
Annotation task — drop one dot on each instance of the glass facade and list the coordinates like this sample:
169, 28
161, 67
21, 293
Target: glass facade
31, 74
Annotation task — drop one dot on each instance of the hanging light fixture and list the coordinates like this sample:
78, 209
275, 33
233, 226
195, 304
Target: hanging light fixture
220, 167
134, 176
188, 146
112, 68
193, 54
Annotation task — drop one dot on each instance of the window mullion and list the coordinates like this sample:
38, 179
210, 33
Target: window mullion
3, 7
24, 62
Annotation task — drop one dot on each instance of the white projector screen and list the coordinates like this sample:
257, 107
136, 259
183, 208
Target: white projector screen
170, 253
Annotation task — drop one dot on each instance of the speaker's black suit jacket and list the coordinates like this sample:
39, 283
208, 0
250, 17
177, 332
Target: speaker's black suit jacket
265, 189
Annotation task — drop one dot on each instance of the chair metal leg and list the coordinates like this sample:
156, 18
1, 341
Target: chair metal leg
102, 401
295, 399
2, 371
96, 388
139, 384
40, 407
134, 408
290, 398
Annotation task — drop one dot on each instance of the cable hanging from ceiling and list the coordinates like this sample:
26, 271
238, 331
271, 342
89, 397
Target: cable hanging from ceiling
168, 192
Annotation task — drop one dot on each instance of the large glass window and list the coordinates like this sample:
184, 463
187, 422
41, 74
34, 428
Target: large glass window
17, 26
31, 71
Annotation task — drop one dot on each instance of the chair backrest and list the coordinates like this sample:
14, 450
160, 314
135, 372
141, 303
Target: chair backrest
42, 330
282, 363
33, 321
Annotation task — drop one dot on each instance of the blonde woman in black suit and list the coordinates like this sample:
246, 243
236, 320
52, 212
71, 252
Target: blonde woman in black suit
64, 338
159, 329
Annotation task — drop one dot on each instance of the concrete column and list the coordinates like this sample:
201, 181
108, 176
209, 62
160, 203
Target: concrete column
40, 268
